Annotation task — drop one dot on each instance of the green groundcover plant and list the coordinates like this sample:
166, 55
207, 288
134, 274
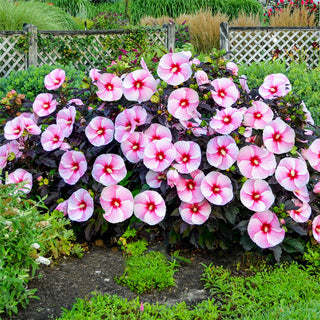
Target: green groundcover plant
283, 292
196, 151
305, 82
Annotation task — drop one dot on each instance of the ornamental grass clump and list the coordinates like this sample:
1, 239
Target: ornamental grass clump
192, 148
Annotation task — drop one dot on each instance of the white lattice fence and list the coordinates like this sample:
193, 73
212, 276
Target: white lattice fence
85, 49
250, 44
11, 58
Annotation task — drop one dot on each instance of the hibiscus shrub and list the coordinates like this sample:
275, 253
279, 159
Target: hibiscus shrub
196, 152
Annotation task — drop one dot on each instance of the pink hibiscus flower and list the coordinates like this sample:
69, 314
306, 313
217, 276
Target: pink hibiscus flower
195, 213
4, 154
278, 137
117, 203
18, 176
188, 156
52, 137
63, 207
316, 228
302, 214
159, 154
256, 195
292, 173
232, 67
274, 86
316, 188
225, 93
182, 103
109, 169
158, 132
243, 83
72, 167
139, 115
174, 68
14, 128
258, 115
217, 188
139, 85
313, 154
149, 207
100, 131
125, 125
255, 162
222, 152
80, 206
226, 120
65, 119
133, 147
44, 104
201, 78
264, 229
154, 179
109, 87
30, 125
189, 189
302, 194
172, 177
94, 74
54, 79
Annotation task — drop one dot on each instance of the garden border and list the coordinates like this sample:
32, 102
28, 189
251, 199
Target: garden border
257, 44
20, 49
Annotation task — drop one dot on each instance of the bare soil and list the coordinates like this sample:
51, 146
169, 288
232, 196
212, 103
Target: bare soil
72, 278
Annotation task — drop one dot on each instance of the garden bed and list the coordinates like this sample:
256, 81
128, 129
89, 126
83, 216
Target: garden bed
74, 278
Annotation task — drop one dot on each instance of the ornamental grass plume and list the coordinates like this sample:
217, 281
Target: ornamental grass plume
232, 161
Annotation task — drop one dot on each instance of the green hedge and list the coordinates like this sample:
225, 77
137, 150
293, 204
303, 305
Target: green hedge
174, 8
305, 83
30, 82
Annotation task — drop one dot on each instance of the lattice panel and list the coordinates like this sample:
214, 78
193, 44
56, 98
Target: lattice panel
92, 50
11, 59
259, 45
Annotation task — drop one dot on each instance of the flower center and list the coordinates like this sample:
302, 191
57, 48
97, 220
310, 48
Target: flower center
257, 115
292, 174
109, 86
227, 119
190, 185
75, 167
69, 121
151, 206
135, 146
273, 89
265, 228
138, 84
317, 229
115, 202
101, 131
56, 81
184, 103
277, 137
255, 161
256, 196
108, 169
185, 158
175, 68
222, 151
46, 105
221, 93
82, 205
216, 189
128, 126
160, 156
195, 208
18, 130
55, 139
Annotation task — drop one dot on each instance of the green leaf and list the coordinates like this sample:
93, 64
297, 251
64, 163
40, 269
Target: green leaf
293, 245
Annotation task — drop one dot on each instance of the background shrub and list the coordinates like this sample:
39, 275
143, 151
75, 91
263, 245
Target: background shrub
174, 8
30, 82
45, 17
305, 82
